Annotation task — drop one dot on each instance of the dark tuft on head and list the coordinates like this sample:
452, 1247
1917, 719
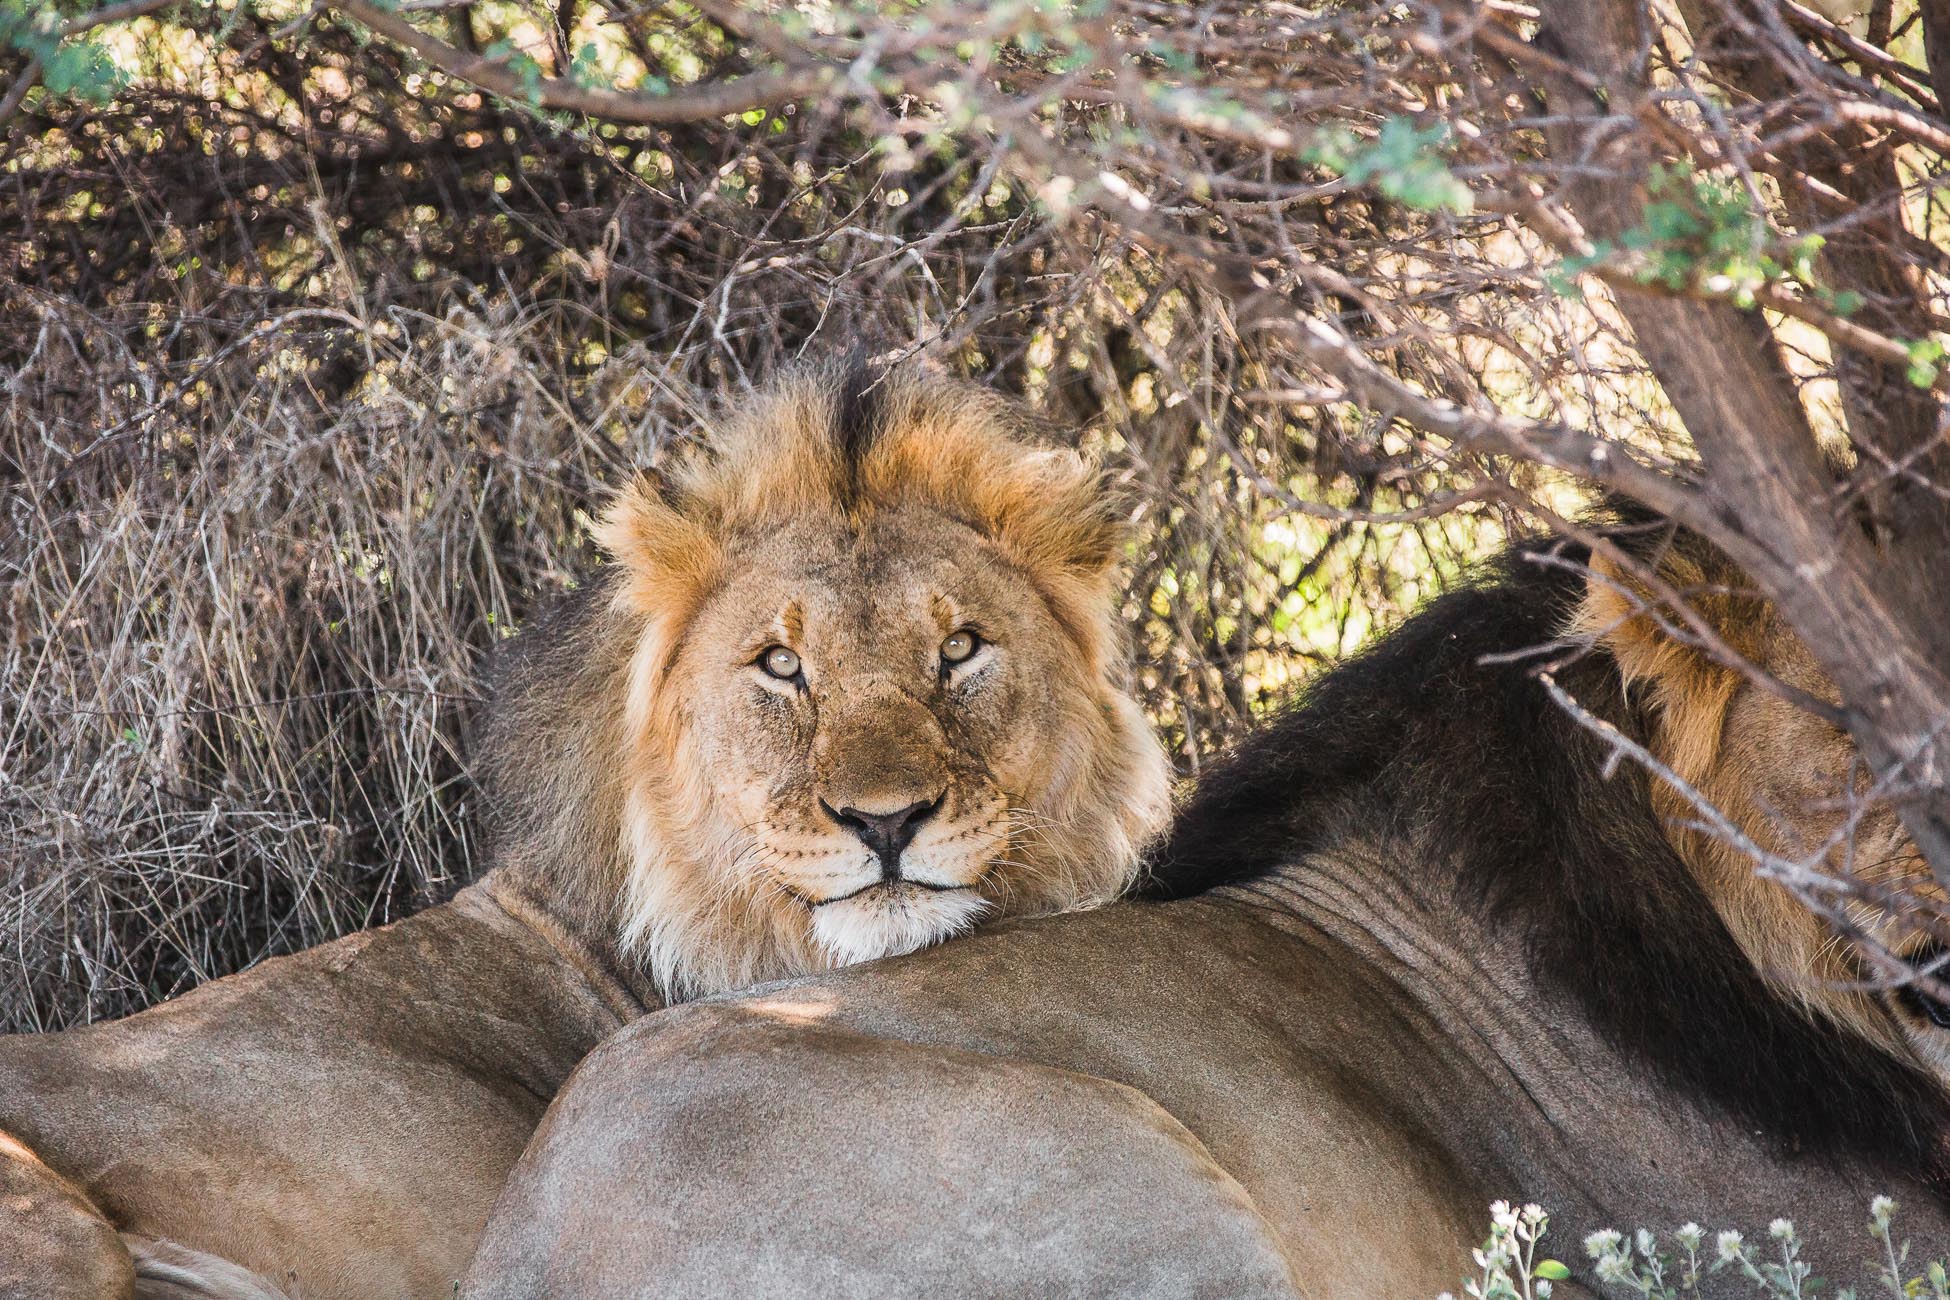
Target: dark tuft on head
857, 413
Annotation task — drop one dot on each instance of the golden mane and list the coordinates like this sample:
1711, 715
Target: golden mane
788, 453
1740, 748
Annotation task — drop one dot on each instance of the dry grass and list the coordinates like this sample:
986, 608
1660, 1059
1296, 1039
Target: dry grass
242, 641
247, 612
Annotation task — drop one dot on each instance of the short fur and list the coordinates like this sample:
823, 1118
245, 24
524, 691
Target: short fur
1419, 951
1583, 871
602, 761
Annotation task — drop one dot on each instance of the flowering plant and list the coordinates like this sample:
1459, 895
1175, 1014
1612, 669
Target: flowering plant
1679, 1267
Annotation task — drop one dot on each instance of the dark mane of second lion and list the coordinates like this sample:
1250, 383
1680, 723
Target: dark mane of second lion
541, 755
1428, 744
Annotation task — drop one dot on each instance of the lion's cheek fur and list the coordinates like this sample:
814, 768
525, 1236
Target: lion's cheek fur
691, 911
1106, 791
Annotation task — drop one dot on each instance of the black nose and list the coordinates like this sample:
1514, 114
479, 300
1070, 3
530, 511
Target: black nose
887, 834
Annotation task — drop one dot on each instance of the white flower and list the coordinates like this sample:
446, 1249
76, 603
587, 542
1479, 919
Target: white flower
1602, 1242
1614, 1268
1781, 1230
1728, 1245
1647, 1243
1689, 1236
1543, 1288
1881, 1209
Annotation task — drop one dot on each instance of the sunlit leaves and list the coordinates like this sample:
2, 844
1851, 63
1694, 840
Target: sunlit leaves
1409, 164
72, 67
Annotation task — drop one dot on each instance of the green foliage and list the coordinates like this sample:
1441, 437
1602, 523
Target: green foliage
525, 68
1924, 356
587, 68
1409, 164
1680, 1265
1702, 233
78, 67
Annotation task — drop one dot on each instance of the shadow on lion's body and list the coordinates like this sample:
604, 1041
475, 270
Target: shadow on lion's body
340, 1120
1417, 946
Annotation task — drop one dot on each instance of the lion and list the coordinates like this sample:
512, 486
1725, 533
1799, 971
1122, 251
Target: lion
854, 682
1426, 940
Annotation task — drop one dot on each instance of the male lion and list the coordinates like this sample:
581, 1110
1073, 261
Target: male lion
1419, 945
853, 683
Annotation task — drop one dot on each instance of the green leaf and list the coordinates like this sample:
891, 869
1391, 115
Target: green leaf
1551, 1271
1405, 162
586, 69
82, 70
1924, 354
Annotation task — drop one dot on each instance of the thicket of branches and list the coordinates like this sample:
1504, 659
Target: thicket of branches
325, 325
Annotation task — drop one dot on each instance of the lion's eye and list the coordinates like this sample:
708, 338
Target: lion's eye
780, 663
959, 646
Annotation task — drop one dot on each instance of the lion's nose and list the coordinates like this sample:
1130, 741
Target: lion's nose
887, 834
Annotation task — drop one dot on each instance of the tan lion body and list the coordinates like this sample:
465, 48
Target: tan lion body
1398, 1008
338, 1120
675, 818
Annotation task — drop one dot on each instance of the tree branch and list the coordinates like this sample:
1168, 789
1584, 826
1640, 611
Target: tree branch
1859, 615
113, 14
701, 103
1936, 48
17, 92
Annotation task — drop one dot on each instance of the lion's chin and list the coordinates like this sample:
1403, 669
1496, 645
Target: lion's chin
888, 920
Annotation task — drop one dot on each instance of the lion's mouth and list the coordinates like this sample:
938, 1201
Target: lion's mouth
892, 887
891, 917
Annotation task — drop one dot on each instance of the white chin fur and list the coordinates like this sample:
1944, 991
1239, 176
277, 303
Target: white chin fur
886, 922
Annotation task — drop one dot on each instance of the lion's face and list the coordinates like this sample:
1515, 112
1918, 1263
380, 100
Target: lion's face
876, 688
886, 713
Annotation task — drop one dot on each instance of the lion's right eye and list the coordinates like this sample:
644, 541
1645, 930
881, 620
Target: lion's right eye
780, 663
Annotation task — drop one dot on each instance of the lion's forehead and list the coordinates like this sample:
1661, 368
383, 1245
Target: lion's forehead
885, 591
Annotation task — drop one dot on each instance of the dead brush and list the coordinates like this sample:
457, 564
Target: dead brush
241, 640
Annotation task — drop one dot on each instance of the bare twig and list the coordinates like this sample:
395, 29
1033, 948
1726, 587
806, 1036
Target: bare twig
691, 104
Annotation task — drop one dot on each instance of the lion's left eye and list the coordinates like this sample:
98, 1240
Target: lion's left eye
960, 647
780, 663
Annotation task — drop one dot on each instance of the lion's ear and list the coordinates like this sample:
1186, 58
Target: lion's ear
667, 555
1061, 517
